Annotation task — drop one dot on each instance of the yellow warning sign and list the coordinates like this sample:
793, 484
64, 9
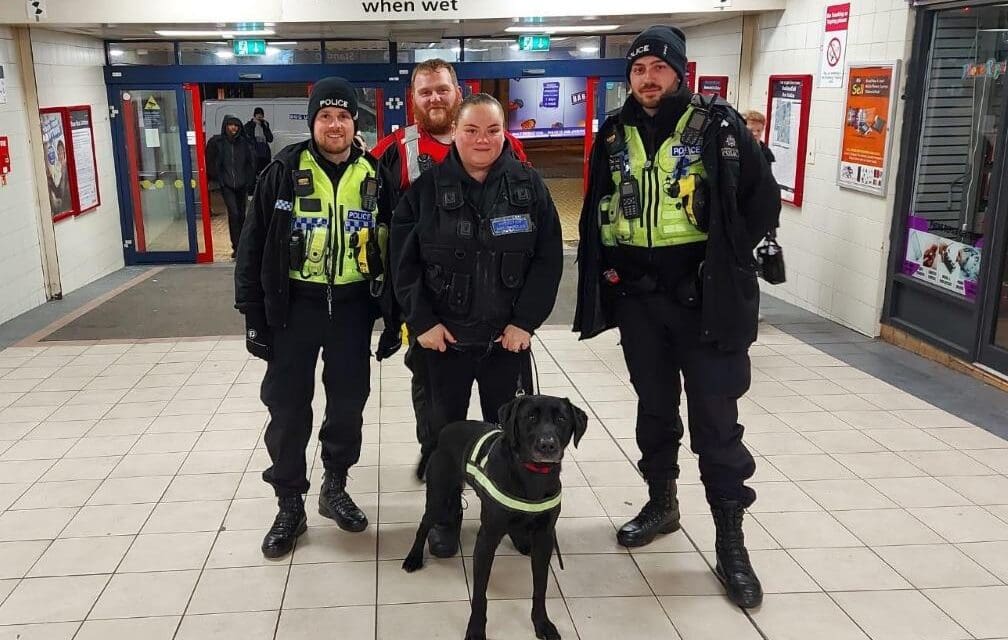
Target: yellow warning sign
151, 104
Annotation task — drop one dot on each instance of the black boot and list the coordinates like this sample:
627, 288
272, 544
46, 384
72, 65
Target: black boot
290, 523
443, 538
733, 567
335, 503
659, 515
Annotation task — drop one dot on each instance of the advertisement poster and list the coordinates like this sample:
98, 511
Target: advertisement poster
54, 146
713, 86
787, 132
864, 141
941, 261
834, 46
84, 160
547, 107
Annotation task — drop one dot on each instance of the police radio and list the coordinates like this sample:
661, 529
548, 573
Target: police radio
629, 198
695, 126
369, 194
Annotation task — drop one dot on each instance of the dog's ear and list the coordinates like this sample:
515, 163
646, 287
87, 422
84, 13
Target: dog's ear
579, 419
508, 418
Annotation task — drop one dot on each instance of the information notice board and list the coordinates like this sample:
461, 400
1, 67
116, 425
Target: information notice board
788, 108
69, 154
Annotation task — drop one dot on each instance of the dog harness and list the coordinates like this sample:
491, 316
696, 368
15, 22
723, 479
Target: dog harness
476, 473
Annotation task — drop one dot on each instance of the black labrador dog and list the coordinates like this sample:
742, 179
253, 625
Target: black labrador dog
515, 469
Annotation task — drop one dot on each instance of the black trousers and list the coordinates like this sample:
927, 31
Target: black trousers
451, 374
661, 340
235, 200
289, 385
415, 362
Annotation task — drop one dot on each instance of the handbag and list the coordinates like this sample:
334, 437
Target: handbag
770, 260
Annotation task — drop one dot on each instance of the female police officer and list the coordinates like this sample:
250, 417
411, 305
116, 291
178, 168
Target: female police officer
477, 253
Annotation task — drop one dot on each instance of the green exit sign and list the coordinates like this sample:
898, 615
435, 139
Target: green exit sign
249, 47
534, 43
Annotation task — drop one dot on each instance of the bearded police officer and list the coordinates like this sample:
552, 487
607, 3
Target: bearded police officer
679, 196
308, 262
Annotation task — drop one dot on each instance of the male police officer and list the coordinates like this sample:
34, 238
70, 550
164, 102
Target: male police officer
679, 195
403, 155
301, 280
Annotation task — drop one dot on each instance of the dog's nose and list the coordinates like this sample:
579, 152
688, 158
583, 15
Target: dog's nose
548, 445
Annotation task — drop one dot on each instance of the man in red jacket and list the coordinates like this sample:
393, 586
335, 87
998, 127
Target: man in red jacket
402, 156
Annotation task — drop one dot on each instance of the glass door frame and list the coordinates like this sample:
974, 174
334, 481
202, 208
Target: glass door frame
128, 192
994, 260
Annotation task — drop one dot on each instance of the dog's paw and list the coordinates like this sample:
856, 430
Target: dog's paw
546, 630
413, 562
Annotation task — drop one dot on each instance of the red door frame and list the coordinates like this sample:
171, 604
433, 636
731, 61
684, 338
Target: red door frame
132, 161
197, 105
589, 138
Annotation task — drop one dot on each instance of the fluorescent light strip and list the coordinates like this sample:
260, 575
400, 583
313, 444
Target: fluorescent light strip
585, 28
227, 35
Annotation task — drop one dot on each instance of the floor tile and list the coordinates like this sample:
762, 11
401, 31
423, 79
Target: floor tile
820, 618
906, 440
251, 625
510, 579
899, 615
678, 574
168, 552
25, 471
140, 595
993, 556
969, 438
807, 530
810, 467
80, 469
127, 629
182, 517
80, 556
440, 580
879, 464
980, 610
242, 589
980, 490
838, 495
304, 624
963, 524
68, 493
886, 527
50, 631
211, 486
604, 618
34, 524
775, 497
51, 599
708, 618
918, 492
777, 570
611, 474
427, 620
109, 520
852, 569
130, 490
846, 441
700, 529
17, 557
602, 575
947, 463
148, 464
936, 566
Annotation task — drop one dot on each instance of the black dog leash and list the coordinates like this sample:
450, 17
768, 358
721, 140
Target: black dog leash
556, 545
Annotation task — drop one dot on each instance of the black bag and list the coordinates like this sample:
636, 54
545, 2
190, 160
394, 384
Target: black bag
770, 260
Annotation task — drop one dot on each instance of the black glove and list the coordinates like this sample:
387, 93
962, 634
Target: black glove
389, 342
258, 337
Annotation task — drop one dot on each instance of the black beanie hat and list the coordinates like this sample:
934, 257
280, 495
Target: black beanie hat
667, 43
331, 92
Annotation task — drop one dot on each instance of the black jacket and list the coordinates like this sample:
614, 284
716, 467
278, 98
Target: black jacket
740, 215
231, 159
494, 260
262, 262
261, 150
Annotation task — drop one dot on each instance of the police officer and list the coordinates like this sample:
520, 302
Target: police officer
403, 155
477, 247
679, 196
305, 270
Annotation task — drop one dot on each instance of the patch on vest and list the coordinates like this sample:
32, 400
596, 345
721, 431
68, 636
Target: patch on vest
679, 151
357, 220
283, 205
729, 148
507, 225
307, 224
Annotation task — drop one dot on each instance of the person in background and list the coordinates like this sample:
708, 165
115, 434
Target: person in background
403, 155
478, 256
258, 131
231, 163
756, 123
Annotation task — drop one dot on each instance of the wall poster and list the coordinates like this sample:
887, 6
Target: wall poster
713, 86
869, 110
788, 107
70, 163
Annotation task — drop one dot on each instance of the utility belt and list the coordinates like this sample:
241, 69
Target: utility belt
687, 290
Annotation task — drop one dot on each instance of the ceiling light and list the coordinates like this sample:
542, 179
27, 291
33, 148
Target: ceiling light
584, 28
272, 51
116, 52
588, 49
224, 54
283, 42
513, 47
227, 35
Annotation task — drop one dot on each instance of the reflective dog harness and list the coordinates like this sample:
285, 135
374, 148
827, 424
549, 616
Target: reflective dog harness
484, 486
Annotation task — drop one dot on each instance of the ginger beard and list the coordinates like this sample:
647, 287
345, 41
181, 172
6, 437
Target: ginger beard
436, 101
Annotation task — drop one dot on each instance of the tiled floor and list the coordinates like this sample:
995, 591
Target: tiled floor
133, 508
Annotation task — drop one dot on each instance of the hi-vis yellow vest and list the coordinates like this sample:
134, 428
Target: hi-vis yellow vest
328, 218
663, 221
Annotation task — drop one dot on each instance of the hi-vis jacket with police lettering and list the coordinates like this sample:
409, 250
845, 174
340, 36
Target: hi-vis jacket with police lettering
476, 257
744, 204
263, 271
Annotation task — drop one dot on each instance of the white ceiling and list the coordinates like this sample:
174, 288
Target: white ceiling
400, 31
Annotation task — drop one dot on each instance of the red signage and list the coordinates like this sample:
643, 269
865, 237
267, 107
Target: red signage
713, 86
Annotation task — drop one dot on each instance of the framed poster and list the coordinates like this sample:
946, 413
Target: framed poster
713, 86
865, 137
56, 154
788, 107
84, 166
